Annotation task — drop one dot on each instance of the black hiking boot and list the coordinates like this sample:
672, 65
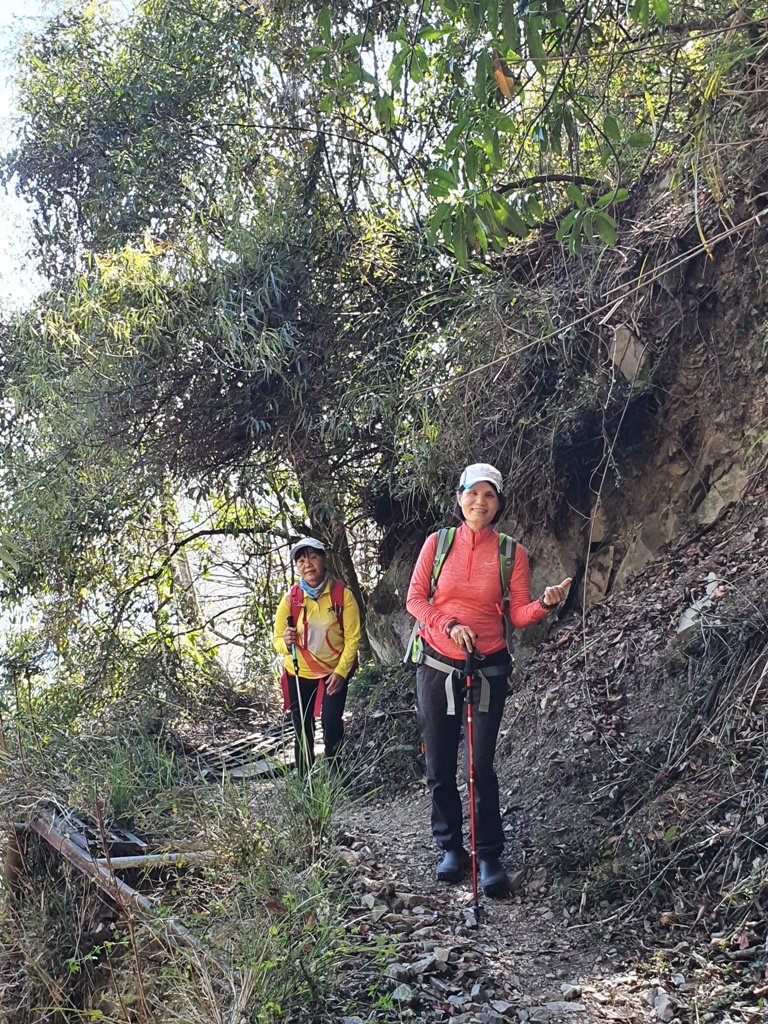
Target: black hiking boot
493, 877
451, 868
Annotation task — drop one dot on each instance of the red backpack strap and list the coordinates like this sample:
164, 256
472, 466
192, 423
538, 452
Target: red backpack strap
337, 600
295, 601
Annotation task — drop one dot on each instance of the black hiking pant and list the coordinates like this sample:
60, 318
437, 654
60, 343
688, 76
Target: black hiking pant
441, 734
302, 701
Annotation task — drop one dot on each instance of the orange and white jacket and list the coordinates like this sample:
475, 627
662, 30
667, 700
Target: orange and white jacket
469, 591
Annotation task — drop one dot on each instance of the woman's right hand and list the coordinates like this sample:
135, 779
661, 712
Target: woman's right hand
290, 635
463, 636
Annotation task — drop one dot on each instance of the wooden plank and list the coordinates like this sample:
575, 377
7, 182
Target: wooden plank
154, 860
174, 933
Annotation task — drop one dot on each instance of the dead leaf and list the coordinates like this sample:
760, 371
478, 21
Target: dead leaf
740, 939
503, 75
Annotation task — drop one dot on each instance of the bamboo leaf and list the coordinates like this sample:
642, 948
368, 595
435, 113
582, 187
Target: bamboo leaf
662, 11
510, 25
536, 49
605, 226
323, 20
611, 129
460, 247
436, 221
565, 226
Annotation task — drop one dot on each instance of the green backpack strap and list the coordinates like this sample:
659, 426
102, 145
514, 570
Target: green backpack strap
444, 540
507, 548
414, 648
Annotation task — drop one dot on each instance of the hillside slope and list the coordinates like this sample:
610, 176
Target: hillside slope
632, 769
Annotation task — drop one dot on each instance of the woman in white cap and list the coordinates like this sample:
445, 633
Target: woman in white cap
317, 631
463, 609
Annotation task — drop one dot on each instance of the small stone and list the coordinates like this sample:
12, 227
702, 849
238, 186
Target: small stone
403, 994
505, 1009
663, 1006
409, 900
459, 1001
442, 954
427, 963
678, 980
565, 1007
538, 880
394, 922
570, 991
517, 880
397, 972
540, 1014
649, 996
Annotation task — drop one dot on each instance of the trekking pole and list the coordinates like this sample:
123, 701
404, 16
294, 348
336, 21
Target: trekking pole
291, 625
469, 668
302, 738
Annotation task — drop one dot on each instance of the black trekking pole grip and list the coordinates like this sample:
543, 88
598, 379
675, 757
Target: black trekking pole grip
469, 663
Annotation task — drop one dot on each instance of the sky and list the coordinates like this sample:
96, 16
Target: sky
18, 281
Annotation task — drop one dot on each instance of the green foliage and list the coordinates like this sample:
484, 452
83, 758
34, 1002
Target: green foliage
9, 556
133, 775
252, 216
275, 899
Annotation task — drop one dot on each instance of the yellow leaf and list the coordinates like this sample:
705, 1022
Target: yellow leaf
503, 75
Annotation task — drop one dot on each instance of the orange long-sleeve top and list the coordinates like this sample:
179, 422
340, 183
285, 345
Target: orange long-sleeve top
469, 591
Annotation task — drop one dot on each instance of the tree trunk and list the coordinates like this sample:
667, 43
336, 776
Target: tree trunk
323, 505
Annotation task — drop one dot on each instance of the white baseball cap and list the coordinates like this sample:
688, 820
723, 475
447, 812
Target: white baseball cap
480, 471
307, 542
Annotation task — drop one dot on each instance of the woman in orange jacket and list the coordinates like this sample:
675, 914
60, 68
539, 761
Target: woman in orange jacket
464, 612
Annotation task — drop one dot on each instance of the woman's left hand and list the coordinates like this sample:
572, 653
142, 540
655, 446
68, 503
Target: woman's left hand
554, 595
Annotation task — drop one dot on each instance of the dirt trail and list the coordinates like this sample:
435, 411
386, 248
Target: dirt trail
527, 961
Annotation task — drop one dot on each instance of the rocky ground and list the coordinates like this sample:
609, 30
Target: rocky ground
424, 956
632, 768
527, 958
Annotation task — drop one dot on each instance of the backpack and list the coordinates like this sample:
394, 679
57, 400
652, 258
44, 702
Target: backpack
296, 601
445, 537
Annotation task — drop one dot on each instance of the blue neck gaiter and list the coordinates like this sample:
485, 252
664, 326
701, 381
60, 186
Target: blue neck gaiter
313, 592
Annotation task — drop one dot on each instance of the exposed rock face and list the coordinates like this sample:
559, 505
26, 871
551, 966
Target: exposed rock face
387, 622
688, 352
